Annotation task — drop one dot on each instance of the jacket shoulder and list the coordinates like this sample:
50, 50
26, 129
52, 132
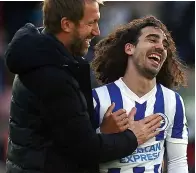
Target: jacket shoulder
48, 80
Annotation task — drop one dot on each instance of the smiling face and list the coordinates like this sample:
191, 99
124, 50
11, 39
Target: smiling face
86, 30
150, 52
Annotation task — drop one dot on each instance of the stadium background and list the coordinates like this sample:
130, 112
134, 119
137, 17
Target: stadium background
179, 17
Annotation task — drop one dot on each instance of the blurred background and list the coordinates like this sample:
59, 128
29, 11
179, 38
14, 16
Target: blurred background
178, 16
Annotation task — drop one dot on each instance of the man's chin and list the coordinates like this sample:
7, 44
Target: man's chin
151, 73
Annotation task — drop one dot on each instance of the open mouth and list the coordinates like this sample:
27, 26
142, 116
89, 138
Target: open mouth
156, 58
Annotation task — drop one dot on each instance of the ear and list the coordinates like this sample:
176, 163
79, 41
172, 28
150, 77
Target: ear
129, 49
66, 25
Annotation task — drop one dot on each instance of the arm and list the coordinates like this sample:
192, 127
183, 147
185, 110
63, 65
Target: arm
69, 124
177, 140
177, 157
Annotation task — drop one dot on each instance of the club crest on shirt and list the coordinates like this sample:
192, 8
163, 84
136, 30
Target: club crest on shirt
164, 122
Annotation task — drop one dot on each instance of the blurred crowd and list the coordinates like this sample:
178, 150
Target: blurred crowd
178, 16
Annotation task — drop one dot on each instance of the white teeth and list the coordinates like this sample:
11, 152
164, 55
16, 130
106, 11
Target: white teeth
155, 56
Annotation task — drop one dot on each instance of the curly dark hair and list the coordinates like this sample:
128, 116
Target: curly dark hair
110, 60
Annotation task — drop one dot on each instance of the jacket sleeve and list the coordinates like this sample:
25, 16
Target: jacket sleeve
70, 126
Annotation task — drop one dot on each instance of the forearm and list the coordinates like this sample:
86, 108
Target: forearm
177, 158
182, 168
116, 146
84, 142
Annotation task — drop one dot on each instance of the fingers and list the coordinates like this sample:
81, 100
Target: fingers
132, 114
153, 128
120, 114
151, 118
154, 122
123, 128
109, 110
123, 122
153, 134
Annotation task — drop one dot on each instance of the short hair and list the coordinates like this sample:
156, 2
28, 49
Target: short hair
55, 10
110, 60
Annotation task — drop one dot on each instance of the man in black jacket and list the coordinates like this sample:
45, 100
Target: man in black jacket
51, 122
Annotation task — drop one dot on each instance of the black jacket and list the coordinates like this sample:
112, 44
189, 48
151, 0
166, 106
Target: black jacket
51, 121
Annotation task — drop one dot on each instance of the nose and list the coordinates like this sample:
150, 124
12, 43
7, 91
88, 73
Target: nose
160, 46
96, 31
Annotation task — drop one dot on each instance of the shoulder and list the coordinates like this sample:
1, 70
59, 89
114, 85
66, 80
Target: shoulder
172, 101
170, 92
54, 75
97, 92
167, 90
101, 90
105, 86
49, 80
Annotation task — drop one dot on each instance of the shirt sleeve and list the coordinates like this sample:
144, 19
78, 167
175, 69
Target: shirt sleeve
178, 129
177, 157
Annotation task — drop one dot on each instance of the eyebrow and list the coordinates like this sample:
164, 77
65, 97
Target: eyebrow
158, 37
153, 35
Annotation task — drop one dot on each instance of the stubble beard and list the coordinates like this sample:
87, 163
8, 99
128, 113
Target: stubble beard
77, 46
146, 72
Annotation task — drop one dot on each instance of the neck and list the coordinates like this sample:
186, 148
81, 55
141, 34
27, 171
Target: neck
136, 82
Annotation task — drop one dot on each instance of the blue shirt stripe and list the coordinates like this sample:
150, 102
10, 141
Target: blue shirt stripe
138, 169
141, 108
114, 170
97, 108
115, 96
156, 168
159, 108
178, 119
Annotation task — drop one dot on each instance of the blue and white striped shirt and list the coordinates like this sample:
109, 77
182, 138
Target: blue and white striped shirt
148, 157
